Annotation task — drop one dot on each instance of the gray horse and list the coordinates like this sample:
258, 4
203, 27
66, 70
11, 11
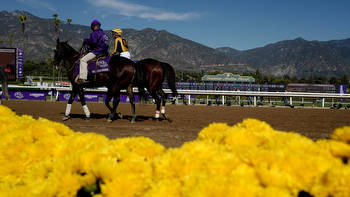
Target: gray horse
4, 83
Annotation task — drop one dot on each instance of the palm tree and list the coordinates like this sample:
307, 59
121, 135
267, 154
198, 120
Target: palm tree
69, 20
23, 19
57, 22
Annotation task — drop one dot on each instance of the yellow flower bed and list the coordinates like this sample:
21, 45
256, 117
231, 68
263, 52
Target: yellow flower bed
45, 158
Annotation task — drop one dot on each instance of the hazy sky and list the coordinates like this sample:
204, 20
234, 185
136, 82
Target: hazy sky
240, 24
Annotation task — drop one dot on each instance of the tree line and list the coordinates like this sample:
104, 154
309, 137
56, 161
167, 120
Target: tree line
267, 79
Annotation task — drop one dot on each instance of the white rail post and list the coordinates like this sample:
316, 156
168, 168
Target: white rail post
223, 100
57, 95
323, 102
254, 101
189, 99
207, 99
291, 100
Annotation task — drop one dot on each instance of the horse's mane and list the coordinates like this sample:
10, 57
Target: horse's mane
68, 47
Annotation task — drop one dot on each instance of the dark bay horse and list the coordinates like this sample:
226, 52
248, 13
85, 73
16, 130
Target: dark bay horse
4, 83
150, 74
119, 77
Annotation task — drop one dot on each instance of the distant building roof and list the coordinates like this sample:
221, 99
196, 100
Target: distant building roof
228, 77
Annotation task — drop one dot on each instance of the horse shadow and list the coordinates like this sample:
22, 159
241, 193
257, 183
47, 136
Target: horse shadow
142, 118
120, 116
82, 116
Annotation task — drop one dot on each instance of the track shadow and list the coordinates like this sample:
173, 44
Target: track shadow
92, 116
142, 118
105, 116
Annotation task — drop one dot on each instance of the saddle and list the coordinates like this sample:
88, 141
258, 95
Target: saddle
97, 65
99, 56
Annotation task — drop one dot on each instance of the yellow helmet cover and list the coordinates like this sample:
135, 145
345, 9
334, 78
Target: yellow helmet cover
117, 30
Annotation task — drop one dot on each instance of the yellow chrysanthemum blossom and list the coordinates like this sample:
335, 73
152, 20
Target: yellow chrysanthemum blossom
342, 134
44, 158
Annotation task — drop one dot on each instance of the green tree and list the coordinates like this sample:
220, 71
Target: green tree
10, 39
56, 21
69, 21
334, 80
283, 80
23, 18
258, 76
344, 79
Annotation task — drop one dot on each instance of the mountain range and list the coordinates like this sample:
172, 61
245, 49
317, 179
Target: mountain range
296, 57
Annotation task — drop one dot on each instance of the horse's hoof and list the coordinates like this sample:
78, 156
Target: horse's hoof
86, 119
133, 121
65, 118
109, 120
119, 116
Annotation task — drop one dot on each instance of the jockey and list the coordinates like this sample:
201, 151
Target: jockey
120, 44
98, 42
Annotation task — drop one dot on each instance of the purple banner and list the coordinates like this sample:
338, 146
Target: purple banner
19, 63
342, 89
64, 96
95, 97
125, 99
33, 95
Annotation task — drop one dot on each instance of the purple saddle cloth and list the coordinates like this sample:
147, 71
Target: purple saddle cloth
101, 65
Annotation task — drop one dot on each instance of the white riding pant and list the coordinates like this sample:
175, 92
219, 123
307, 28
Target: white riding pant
125, 54
83, 71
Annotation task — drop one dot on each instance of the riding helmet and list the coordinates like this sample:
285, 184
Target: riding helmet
94, 23
117, 30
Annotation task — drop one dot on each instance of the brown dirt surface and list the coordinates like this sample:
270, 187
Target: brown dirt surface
187, 120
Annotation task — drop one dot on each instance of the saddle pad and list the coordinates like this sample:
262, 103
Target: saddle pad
102, 66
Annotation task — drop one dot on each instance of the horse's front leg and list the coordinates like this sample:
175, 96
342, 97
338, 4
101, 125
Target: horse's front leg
83, 104
116, 100
69, 105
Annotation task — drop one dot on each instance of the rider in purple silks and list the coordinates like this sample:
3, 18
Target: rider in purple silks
98, 41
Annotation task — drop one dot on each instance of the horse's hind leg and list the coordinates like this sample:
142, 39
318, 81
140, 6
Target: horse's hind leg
157, 100
108, 99
163, 99
132, 103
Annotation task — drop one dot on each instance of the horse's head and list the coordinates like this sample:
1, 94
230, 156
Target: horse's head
59, 53
64, 52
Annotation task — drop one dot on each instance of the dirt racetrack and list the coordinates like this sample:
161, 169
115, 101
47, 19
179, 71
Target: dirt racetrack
187, 120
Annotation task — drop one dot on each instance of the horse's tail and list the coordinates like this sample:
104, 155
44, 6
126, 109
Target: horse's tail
4, 83
169, 74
